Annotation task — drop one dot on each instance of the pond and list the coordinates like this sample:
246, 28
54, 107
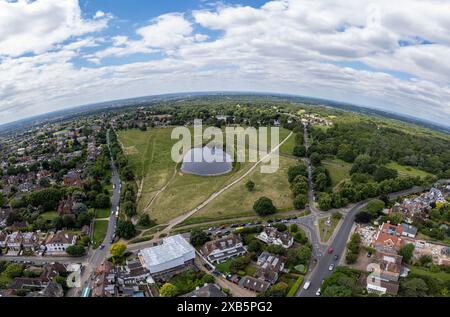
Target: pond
207, 161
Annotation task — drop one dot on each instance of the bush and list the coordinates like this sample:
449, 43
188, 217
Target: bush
168, 290
295, 287
250, 186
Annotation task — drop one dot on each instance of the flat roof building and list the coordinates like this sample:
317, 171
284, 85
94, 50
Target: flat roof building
174, 254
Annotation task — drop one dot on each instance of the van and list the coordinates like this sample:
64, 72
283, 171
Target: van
307, 285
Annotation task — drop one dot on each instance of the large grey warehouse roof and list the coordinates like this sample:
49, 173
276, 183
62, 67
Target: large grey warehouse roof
172, 248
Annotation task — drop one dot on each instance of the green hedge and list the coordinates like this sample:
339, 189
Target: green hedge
295, 287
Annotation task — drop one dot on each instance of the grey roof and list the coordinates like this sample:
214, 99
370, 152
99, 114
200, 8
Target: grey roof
209, 290
409, 229
172, 248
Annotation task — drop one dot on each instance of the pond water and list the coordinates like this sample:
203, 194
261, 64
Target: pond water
207, 161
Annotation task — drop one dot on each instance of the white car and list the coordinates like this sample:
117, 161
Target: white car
331, 268
318, 292
307, 285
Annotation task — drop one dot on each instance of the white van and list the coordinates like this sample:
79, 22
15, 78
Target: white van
307, 285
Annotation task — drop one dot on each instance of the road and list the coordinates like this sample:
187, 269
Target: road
321, 269
97, 256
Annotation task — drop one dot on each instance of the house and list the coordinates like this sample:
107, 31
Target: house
30, 241
59, 242
254, 284
208, 290
380, 286
269, 267
133, 273
14, 241
220, 250
271, 235
390, 266
391, 238
65, 207
408, 231
3, 239
72, 179
104, 280
172, 256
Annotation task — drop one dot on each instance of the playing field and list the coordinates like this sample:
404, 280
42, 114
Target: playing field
165, 192
238, 201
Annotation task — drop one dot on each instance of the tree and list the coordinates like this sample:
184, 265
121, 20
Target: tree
264, 207
337, 291
299, 151
293, 228
414, 287
375, 206
276, 249
300, 201
145, 221
102, 201
198, 237
2, 200
118, 250
315, 158
295, 171
382, 173
299, 186
125, 229
407, 252
76, 250
254, 246
325, 202
280, 227
304, 254
13, 270
346, 153
68, 221
250, 185
363, 217
168, 290
129, 208
79, 208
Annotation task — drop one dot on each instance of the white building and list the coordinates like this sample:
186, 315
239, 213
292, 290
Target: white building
174, 254
59, 242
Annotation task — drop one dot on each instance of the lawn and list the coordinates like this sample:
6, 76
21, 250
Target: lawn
238, 201
149, 154
339, 170
288, 146
407, 170
49, 216
102, 213
224, 267
325, 230
100, 229
442, 276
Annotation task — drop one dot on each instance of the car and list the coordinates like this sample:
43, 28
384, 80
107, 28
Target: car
336, 257
330, 250
216, 273
369, 254
102, 247
234, 226
318, 292
307, 285
331, 267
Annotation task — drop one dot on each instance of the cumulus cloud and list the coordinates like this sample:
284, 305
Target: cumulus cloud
384, 54
36, 26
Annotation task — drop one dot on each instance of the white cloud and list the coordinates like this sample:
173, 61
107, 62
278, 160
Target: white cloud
287, 46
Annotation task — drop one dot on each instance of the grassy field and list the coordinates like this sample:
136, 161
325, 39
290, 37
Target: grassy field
326, 231
238, 201
442, 276
102, 213
100, 229
149, 154
339, 170
288, 146
407, 170
49, 216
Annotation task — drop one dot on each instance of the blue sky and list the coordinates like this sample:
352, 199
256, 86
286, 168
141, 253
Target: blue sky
56, 54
